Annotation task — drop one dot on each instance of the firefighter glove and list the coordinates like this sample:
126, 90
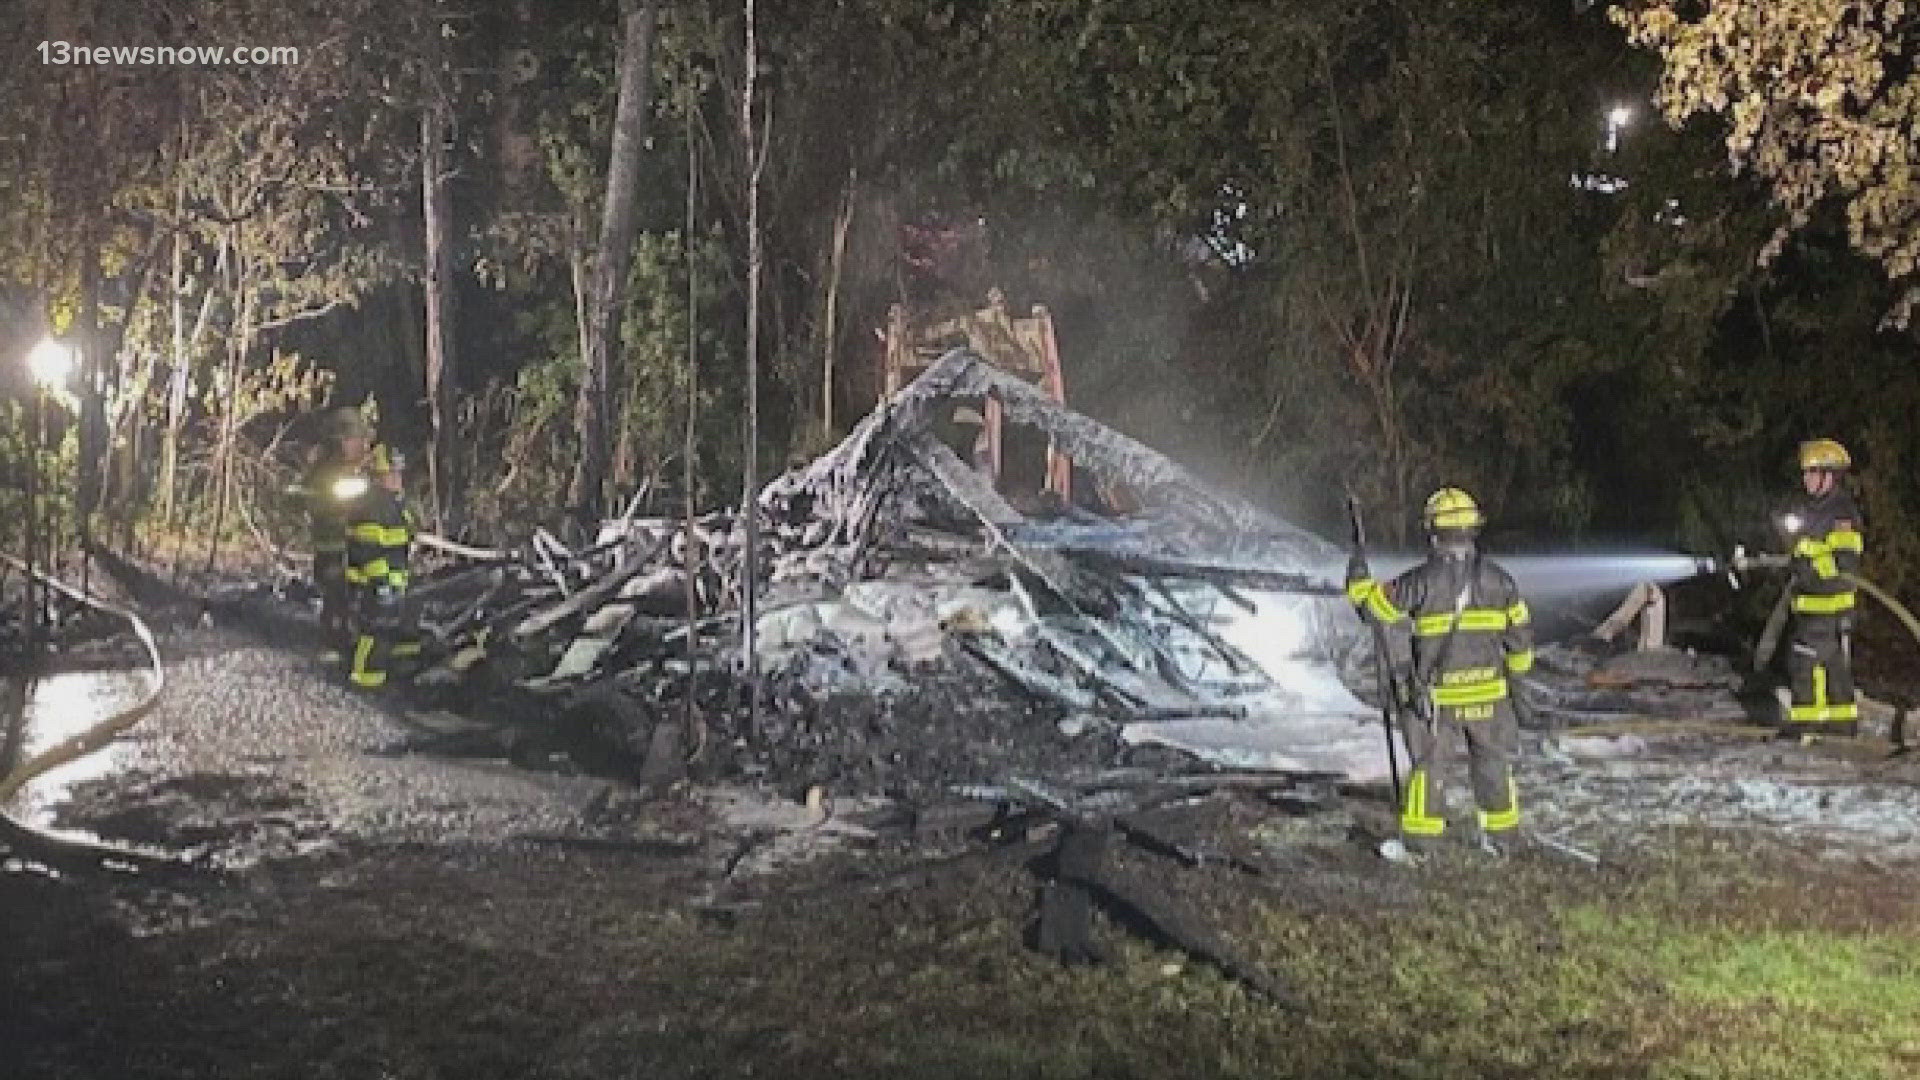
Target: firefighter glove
1357, 568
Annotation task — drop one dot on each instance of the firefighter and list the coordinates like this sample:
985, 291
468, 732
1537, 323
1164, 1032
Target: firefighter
379, 534
1457, 628
335, 477
1823, 531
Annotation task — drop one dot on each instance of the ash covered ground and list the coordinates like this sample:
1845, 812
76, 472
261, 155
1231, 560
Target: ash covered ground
367, 890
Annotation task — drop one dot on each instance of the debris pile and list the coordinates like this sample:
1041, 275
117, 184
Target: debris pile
914, 628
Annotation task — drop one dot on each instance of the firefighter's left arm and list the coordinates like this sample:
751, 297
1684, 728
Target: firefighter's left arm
1847, 544
1517, 640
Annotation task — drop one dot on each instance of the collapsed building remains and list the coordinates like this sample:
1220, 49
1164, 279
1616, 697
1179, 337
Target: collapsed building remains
893, 572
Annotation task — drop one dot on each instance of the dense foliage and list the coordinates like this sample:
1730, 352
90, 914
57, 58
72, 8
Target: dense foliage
1308, 248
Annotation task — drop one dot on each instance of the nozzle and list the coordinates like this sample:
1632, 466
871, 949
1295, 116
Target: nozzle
1706, 565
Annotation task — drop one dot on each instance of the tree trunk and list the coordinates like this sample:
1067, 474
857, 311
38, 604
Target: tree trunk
749, 502
836, 263
440, 366
176, 380
177, 365
239, 343
93, 406
599, 389
694, 558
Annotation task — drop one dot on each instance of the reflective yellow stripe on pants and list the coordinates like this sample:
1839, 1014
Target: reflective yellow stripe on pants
369, 670
1415, 818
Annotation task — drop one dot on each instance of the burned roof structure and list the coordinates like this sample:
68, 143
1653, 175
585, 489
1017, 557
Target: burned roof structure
912, 620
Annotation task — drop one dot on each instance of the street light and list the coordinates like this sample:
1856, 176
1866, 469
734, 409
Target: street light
1617, 117
51, 364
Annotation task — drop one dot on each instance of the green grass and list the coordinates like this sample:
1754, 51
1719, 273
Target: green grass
1783, 1002
1708, 964
1694, 970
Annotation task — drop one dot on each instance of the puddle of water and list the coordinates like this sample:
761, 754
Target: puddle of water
63, 706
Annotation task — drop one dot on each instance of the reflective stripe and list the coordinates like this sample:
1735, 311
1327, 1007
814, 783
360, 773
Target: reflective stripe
1517, 613
397, 578
1843, 713
1471, 619
361, 676
406, 648
1816, 710
354, 576
1520, 663
1461, 676
1846, 540
1369, 592
1477, 693
1815, 604
372, 532
1819, 553
1810, 547
1414, 819
1502, 820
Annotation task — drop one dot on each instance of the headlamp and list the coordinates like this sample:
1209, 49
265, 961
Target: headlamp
349, 487
1790, 523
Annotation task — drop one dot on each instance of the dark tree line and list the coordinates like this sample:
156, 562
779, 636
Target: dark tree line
1308, 248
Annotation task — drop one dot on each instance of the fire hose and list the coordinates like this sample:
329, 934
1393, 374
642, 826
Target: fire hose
1776, 622
104, 732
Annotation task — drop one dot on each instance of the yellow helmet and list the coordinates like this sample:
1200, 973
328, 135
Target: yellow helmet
1824, 454
1452, 508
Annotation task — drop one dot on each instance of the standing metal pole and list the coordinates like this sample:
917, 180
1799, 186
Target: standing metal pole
1383, 664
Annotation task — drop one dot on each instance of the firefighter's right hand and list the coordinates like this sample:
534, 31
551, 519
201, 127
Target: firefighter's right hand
1357, 568
1411, 707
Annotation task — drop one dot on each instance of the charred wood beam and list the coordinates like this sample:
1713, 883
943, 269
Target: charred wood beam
464, 551
1246, 577
1083, 875
1236, 661
1038, 683
593, 595
1154, 478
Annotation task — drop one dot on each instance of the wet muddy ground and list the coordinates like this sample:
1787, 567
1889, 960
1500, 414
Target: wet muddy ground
369, 895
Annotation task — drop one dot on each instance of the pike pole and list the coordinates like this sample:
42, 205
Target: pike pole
1389, 692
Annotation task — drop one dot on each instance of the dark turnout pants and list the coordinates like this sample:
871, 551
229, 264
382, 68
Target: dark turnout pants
1492, 741
383, 633
1820, 676
336, 598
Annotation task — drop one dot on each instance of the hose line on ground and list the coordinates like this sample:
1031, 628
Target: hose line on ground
100, 734
1652, 726
1768, 642
1898, 609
